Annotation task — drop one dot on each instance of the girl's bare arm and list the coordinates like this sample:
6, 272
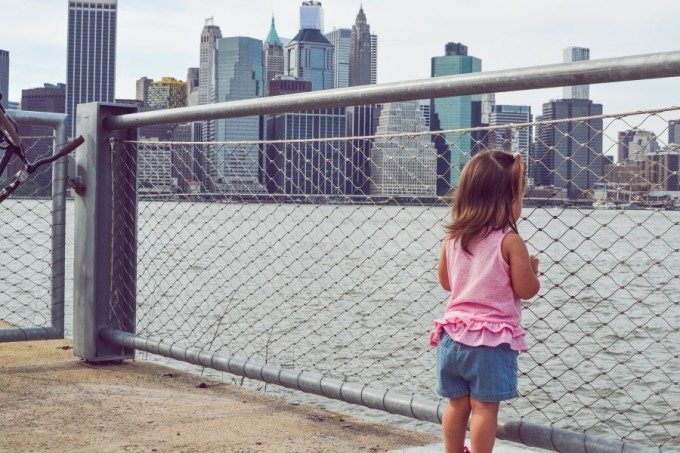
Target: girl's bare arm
443, 269
523, 268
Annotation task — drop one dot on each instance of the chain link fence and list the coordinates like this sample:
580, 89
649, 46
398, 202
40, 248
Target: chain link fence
26, 241
320, 255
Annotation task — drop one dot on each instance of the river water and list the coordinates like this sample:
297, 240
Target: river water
351, 291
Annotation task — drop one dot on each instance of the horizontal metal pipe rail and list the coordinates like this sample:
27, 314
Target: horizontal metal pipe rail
30, 334
430, 410
56, 121
636, 67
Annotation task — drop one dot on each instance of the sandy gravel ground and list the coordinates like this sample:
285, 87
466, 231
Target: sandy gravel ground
52, 401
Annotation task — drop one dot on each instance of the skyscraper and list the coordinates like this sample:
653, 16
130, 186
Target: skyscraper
91, 63
4, 77
340, 38
239, 74
403, 166
206, 73
296, 166
273, 56
309, 55
360, 52
374, 59
572, 54
453, 149
569, 154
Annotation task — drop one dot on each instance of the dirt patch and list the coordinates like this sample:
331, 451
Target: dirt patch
53, 401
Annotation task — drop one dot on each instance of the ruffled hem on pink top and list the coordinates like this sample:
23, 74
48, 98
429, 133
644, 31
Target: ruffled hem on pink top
473, 332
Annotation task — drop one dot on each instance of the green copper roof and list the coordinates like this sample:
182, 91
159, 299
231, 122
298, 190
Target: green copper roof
273, 37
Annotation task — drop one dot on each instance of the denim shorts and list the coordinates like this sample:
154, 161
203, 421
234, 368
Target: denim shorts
485, 373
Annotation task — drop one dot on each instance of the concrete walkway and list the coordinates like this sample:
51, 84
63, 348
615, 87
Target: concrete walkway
52, 401
499, 447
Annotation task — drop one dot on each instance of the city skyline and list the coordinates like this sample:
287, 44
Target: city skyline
37, 59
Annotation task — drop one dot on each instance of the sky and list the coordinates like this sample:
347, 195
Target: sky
161, 38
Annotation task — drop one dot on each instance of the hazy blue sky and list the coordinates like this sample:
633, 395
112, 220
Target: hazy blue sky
161, 38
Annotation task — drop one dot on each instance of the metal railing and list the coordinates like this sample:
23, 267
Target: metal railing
32, 262
291, 262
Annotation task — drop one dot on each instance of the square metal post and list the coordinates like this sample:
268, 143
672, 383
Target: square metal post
105, 234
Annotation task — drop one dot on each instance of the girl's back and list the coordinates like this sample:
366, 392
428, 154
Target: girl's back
480, 282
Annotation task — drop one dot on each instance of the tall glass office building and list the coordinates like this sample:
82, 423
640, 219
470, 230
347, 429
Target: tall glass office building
453, 149
239, 74
340, 38
91, 61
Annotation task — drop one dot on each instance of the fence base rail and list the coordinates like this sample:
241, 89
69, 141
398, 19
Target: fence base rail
30, 334
430, 410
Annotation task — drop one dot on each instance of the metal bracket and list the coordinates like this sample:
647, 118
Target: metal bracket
77, 185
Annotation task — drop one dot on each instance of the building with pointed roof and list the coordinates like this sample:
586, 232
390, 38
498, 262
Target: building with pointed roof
361, 51
273, 56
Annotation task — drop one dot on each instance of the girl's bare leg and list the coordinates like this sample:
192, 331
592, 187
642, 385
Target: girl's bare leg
483, 426
454, 423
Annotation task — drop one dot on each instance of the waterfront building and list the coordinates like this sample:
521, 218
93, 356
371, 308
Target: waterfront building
154, 169
297, 167
511, 139
642, 144
239, 74
37, 140
453, 149
674, 131
403, 166
91, 55
570, 55
4, 77
340, 38
142, 89
623, 142
294, 166
273, 56
360, 52
569, 154
309, 55
663, 170
167, 93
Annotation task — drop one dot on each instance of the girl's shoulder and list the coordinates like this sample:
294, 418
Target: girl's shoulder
511, 242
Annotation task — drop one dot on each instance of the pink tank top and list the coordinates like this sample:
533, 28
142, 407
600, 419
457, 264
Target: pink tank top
483, 309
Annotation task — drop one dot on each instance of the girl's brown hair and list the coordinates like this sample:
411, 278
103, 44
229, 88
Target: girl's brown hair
489, 185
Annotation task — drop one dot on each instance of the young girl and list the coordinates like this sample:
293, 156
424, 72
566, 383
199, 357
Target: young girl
485, 264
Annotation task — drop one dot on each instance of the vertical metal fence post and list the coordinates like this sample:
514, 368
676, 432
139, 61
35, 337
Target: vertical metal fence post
97, 238
59, 175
